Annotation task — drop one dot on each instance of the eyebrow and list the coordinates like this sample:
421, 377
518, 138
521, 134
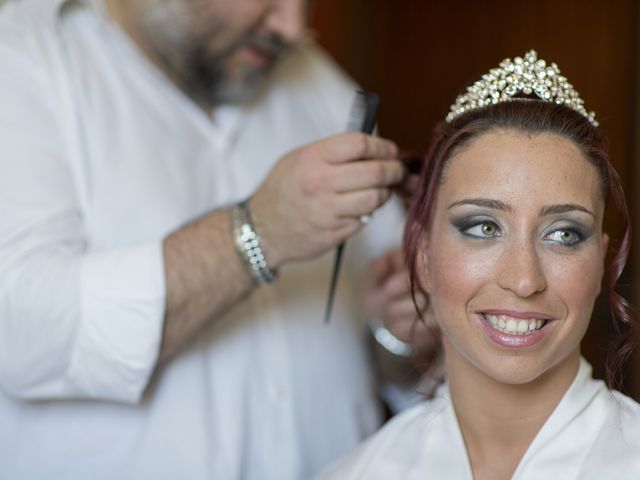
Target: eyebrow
564, 208
483, 202
499, 205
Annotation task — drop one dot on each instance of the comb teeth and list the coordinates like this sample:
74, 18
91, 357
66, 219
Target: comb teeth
362, 117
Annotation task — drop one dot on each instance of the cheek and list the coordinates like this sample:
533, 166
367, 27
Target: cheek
578, 281
216, 26
456, 273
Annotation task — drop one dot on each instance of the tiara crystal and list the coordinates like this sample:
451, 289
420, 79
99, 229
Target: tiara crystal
526, 76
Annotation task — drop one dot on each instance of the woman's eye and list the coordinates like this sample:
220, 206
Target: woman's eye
564, 237
482, 230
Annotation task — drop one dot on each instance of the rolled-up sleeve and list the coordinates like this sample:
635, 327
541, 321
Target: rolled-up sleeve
121, 312
74, 322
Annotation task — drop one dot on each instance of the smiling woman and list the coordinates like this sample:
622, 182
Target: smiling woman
505, 238
516, 218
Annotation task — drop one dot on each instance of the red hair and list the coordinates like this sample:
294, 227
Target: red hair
529, 116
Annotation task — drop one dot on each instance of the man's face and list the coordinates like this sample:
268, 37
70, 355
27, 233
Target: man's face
218, 51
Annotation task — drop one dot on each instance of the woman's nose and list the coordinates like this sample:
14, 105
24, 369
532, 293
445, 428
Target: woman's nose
520, 270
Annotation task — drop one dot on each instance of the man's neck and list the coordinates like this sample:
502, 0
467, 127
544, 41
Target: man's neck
123, 14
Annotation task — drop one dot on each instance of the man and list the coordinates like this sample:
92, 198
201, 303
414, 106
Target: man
152, 324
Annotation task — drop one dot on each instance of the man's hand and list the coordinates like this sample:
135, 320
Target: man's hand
314, 197
311, 201
388, 297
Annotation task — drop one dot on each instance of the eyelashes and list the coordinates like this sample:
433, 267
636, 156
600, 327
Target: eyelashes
565, 236
562, 234
478, 228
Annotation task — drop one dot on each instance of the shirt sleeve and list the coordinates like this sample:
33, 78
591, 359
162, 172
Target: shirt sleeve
74, 323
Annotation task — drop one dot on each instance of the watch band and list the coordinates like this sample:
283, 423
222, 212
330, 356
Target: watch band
247, 242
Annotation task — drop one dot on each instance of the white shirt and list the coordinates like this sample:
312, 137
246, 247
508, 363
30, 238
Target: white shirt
592, 434
101, 158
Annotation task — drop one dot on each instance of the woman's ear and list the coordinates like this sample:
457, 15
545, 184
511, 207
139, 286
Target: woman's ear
422, 266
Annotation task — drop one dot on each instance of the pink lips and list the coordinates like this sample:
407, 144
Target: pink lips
515, 341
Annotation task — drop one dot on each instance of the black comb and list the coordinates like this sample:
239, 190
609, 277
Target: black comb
362, 119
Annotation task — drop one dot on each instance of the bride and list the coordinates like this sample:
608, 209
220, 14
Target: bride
505, 238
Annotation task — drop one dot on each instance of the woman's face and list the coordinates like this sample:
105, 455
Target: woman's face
514, 255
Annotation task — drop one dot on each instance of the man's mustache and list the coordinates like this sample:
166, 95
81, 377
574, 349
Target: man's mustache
270, 44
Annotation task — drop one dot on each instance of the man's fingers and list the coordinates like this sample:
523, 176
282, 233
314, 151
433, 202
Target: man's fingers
397, 285
380, 269
402, 308
362, 202
407, 188
367, 174
347, 228
397, 257
412, 330
347, 147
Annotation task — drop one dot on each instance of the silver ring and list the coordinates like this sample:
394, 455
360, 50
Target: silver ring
365, 219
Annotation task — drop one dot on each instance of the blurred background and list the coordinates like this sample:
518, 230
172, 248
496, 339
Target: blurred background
419, 54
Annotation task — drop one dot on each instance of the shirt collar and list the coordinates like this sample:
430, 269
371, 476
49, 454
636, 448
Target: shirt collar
579, 395
58, 7
224, 124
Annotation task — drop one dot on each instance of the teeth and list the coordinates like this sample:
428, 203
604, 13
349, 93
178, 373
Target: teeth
514, 326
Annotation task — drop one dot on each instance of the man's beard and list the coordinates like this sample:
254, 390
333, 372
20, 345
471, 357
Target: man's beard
210, 78
188, 56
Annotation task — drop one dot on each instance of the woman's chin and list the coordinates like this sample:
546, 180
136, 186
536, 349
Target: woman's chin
526, 370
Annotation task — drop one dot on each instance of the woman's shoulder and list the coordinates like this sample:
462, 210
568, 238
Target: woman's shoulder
395, 450
624, 420
616, 452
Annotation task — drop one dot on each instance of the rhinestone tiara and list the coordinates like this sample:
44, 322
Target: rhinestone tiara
526, 75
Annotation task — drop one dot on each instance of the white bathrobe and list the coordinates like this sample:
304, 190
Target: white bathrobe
593, 433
